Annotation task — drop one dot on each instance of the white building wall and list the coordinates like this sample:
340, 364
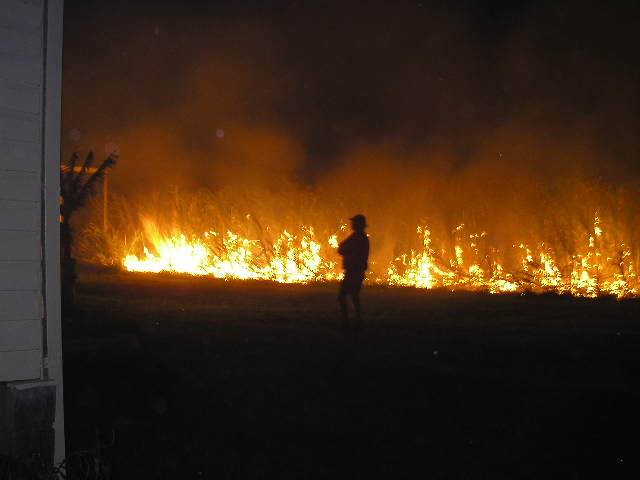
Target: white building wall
21, 44
30, 110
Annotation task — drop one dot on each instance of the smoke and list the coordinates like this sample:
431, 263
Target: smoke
408, 113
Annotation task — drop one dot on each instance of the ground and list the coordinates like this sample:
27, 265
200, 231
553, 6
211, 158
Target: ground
177, 377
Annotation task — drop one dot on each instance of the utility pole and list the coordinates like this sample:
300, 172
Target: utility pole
105, 202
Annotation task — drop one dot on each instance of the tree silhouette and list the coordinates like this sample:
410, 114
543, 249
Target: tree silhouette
77, 184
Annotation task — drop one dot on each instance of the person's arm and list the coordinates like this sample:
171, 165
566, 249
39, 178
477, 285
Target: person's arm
344, 246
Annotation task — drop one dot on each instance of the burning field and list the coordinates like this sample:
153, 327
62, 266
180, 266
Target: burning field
254, 143
579, 239
494, 152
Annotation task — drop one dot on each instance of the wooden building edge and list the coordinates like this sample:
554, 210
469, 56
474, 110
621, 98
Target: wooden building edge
31, 388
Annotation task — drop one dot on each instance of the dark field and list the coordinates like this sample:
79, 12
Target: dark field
177, 377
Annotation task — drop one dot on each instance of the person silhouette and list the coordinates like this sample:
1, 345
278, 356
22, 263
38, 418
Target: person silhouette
355, 255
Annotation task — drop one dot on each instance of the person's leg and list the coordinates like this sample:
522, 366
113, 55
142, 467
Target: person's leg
342, 301
356, 305
355, 295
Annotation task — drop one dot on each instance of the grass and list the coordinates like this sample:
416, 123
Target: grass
202, 378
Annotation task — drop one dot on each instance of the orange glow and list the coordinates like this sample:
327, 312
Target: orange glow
303, 258
292, 259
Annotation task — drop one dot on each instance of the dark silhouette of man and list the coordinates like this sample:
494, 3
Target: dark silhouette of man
355, 256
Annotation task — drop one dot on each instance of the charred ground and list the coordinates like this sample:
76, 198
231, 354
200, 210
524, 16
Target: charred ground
180, 377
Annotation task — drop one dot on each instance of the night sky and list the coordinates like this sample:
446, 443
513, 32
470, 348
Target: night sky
191, 92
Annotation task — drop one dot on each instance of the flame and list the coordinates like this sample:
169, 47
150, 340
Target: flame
291, 259
599, 267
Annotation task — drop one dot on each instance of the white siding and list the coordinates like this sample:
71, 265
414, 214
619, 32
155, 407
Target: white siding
29, 303
19, 215
21, 125
18, 245
20, 335
21, 23
23, 70
22, 186
29, 210
21, 363
20, 156
20, 42
20, 97
20, 276
25, 15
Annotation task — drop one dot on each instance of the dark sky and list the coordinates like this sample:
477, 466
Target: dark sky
183, 86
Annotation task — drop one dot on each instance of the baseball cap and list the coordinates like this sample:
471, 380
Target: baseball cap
359, 220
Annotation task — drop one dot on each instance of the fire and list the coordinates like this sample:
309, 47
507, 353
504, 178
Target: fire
600, 266
290, 259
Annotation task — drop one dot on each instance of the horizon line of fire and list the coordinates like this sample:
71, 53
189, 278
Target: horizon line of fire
299, 259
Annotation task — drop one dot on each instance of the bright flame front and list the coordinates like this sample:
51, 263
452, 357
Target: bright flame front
302, 258
291, 259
